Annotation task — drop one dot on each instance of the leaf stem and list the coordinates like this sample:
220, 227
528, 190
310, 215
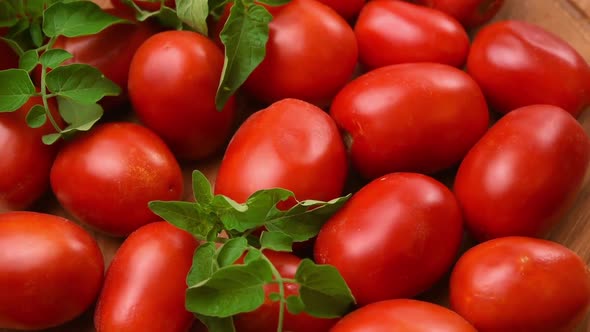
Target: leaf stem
280, 282
45, 95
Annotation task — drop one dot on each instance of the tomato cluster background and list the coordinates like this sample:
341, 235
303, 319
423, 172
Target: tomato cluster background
445, 141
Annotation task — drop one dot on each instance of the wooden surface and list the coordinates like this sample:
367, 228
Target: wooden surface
569, 19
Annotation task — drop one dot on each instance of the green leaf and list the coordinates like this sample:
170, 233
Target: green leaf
75, 19
323, 291
275, 297
28, 60
274, 2
231, 290
194, 14
35, 7
54, 57
295, 305
216, 324
231, 250
202, 190
276, 241
244, 35
80, 117
8, 14
216, 7
184, 215
304, 220
16, 88
80, 82
168, 18
36, 116
252, 255
50, 138
16, 47
36, 33
204, 264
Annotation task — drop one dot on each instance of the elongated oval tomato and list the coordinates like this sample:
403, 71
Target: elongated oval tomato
25, 161
292, 145
51, 270
173, 81
524, 174
420, 117
107, 177
394, 238
298, 63
402, 315
519, 64
471, 13
145, 286
348, 9
393, 32
521, 284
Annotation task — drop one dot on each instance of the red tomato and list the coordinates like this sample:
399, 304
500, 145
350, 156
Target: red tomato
51, 270
291, 144
108, 176
521, 284
391, 32
172, 83
519, 64
8, 59
524, 174
265, 318
149, 5
145, 285
348, 9
420, 117
394, 238
298, 63
26, 161
111, 51
402, 315
471, 13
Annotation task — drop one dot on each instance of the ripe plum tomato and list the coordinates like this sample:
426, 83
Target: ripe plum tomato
25, 161
292, 145
420, 117
521, 284
471, 13
145, 285
348, 9
111, 51
8, 59
519, 64
51, 270
173, 81
298, 63
265, 318
402, 315
524, 174
392, 32
394, 238
107, 177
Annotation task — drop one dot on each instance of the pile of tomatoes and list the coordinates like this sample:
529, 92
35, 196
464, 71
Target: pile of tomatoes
386, 99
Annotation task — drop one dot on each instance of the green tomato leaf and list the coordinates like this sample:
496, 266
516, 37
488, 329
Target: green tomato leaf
16, 47
16, 88
323, 291
79, 18
202, 190
231, 290
80, 82
204, 264
244, 35
275, 297
80, 117
216, 7
216, 324
35, 7
168, 18
29, 60
295, 305
194, 14
54, 57
36, 33
230, 251
50, 138
8, 14
252, 255
274, 2
36, 116
276, 241
184, 215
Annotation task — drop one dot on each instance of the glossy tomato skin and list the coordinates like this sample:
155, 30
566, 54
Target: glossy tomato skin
394, 238
51, 270
292, 145
145, 284
402, 315
348, 9
521, 284
298, 63
519, 64
393, 32
438, 113
26, 161
471, 13
180, 107
107, 177
524, 174
265, 318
